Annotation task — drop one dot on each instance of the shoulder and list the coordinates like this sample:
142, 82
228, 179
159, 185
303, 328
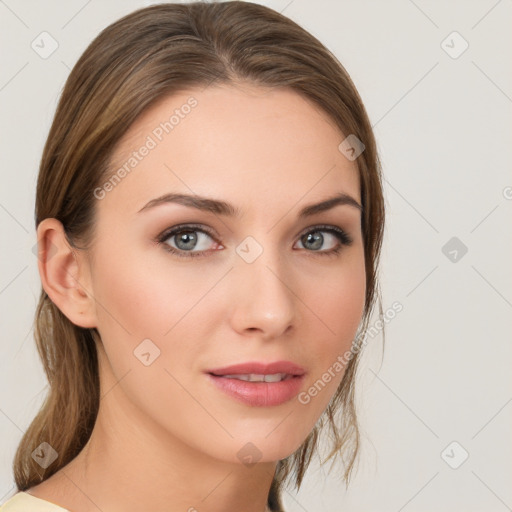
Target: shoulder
25, 502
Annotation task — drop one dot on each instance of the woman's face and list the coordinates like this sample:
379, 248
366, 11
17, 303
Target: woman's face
264, 284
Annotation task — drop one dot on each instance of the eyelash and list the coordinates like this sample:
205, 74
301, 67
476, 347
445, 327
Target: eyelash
341, 235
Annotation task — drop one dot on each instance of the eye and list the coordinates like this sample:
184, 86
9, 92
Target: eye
314, 240
186, 238
182, 240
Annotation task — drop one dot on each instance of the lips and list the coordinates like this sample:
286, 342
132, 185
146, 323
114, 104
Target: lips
259, 368
256, 377
259, 384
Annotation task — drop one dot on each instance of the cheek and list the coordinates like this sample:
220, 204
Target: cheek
141, 298
131, 286
153, 314
339, 302
338, 306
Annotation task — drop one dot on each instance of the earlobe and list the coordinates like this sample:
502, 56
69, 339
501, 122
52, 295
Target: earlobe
64, 274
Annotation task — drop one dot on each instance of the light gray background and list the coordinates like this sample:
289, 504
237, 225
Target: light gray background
444, 134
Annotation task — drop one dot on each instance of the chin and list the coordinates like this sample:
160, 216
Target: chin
268, 445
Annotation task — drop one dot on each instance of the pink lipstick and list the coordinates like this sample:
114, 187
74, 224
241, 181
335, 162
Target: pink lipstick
259, 384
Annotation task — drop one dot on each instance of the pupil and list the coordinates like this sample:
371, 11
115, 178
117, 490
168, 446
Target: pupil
315, 238
187, 236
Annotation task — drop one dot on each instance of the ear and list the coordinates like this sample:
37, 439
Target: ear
65, 274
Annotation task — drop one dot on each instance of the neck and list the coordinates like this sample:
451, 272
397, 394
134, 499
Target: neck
131, 464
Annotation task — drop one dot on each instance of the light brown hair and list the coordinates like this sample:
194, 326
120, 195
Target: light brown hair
133, 63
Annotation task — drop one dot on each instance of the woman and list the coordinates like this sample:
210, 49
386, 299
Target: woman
209, 214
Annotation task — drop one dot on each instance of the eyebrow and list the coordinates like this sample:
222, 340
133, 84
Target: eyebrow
219, 207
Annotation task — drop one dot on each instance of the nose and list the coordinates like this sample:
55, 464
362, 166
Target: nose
264, 302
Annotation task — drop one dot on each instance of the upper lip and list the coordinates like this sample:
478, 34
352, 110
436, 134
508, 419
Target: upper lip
259, 368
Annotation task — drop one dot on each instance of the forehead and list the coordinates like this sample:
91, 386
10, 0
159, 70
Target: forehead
256, 147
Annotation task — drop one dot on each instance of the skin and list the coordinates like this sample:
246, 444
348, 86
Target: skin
165, 438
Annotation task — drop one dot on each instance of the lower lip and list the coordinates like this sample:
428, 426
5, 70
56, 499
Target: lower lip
259, 394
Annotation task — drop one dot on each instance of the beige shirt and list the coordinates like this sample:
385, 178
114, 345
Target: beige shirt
25, 502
